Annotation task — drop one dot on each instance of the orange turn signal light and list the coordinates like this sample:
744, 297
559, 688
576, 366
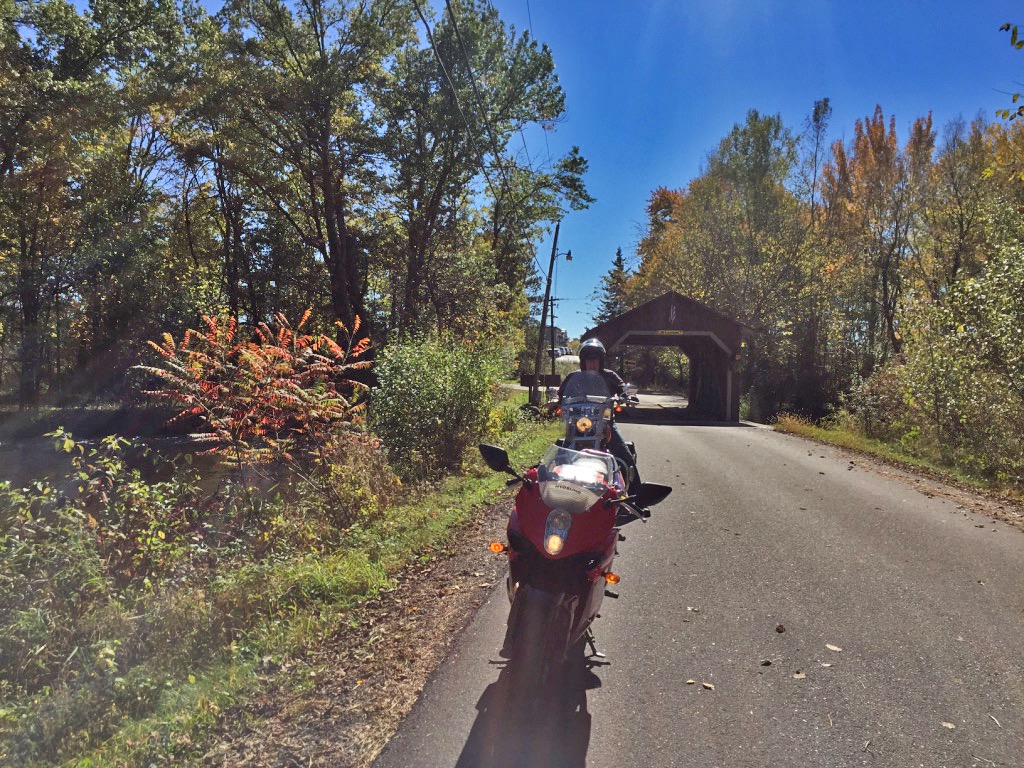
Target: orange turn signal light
497, 547
611, 578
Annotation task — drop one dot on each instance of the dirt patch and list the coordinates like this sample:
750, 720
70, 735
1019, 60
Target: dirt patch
368, 677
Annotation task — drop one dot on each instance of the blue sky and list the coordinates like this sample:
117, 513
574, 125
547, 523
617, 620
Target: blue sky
652, 86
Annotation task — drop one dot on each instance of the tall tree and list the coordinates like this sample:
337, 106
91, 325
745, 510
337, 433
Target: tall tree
76, 187
454, 108
303, 130
54, 111
957, 193
875, 194
157, 164
612, 293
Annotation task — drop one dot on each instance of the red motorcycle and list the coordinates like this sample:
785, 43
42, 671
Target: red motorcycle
562, 536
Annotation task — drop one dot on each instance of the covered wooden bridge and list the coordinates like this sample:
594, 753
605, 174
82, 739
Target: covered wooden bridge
712, 342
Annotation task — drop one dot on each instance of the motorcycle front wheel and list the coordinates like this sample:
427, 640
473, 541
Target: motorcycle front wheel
538, 653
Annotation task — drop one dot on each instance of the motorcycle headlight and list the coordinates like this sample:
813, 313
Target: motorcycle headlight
556, 530
583, 425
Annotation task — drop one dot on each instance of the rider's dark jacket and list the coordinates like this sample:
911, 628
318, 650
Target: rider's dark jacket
617, 445
615, 383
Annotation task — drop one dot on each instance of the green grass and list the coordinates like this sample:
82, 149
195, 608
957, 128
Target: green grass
285, 605
429, 521
855, 441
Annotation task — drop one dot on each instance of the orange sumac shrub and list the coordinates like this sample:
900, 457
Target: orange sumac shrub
266, 394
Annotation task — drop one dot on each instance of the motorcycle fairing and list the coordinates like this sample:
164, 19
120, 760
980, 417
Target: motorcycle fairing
588, 533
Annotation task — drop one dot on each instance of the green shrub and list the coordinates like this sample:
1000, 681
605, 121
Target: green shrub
118, 588
433, 400
876, 406
504, 419
349, 482
955, 396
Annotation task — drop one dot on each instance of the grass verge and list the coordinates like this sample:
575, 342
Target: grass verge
887, 452
296, 603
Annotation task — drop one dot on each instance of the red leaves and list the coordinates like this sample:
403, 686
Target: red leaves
361, 347
277, 388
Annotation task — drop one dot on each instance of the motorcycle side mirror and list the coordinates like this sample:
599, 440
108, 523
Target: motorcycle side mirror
497, 459
651, 494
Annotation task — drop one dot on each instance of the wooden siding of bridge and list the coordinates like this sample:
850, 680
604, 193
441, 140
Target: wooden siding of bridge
711, 340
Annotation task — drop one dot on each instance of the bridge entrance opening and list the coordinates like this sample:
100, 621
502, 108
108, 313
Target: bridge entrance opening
712, 342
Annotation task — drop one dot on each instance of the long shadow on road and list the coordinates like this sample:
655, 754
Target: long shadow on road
549, 730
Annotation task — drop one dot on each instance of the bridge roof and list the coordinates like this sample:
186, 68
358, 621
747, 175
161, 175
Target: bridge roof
673, 320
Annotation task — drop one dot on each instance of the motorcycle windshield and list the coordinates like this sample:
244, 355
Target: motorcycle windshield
574, 480
585, 385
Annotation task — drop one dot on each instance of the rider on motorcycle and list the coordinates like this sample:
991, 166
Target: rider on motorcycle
592, 356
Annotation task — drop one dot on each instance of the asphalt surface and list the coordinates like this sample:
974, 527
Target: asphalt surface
838, 616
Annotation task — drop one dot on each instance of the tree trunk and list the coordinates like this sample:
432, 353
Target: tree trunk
341, 259
31, 328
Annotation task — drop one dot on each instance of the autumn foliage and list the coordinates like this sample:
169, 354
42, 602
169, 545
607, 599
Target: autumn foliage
263, 395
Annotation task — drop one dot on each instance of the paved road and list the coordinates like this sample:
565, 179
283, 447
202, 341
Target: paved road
903, 619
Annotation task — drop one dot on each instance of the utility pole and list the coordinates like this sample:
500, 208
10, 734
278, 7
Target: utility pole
552, 335
535, 390
553, 301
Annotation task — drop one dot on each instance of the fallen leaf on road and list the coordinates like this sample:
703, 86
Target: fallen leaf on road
766, 663
831, 647
708, 686
780, 629
949, 725
826, 665
799, 676
691, 682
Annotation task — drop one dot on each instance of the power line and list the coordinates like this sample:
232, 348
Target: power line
514, 207
506, 187
476, 94
486, 121
455, 97
529, 17
522, 134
